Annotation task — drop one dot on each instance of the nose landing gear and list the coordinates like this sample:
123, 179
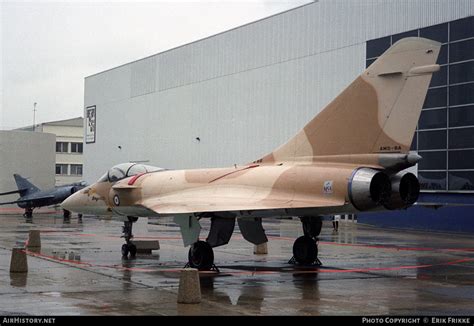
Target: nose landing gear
129, 247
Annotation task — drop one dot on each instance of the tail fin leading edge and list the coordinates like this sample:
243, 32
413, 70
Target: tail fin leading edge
377, 113
24, 186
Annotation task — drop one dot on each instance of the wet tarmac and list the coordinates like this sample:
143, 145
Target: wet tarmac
366, 271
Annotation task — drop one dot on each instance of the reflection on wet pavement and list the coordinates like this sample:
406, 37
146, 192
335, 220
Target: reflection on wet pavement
79, 270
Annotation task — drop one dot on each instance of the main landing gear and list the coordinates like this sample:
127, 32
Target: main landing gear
305, 248
66, 214
201, 254
201, 257
28, 212
128, 247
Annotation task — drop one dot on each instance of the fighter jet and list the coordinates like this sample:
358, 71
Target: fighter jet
32, 197
351, 157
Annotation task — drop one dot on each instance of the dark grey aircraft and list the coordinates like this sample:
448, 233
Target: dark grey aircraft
32, 197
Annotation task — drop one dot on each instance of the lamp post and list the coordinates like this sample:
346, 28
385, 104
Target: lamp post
34, 116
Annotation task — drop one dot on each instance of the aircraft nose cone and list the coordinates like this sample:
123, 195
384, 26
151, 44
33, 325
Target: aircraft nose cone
87, 201
73, 202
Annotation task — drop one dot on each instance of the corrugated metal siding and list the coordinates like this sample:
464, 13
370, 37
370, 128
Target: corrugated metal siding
143, 77
245, 91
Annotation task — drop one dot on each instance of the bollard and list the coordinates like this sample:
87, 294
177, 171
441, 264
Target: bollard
260, 249
18, 263
189, 286
34, 239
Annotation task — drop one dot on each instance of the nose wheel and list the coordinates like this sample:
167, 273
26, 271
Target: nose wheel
128, 248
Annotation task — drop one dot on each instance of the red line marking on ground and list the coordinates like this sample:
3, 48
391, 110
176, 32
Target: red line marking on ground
375, 246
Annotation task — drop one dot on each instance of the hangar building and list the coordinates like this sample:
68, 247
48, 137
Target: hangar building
235, 96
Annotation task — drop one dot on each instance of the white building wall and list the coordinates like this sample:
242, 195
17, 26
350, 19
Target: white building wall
245, 91
30, 154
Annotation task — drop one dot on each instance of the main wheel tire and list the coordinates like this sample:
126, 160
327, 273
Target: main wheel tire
66, 213
305, 250
125, 250
201, 256
132, 249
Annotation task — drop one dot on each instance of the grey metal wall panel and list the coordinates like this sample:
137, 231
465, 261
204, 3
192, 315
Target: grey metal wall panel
143, 77
245, 91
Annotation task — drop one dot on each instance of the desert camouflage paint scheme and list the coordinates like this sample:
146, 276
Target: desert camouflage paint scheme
347, 159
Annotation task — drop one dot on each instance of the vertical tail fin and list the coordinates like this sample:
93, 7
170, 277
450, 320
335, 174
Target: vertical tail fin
24, 186
377, 113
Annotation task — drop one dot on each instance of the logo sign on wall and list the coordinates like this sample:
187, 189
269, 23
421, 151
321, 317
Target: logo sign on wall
90, 124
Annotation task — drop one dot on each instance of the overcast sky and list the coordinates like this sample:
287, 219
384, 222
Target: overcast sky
47, 48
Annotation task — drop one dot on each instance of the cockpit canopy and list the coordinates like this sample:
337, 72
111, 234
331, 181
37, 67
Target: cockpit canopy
125, 170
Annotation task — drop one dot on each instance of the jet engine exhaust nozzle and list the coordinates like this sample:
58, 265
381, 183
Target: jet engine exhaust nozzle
405, 191
369, 188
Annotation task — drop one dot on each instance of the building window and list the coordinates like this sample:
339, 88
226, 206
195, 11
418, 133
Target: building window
436, 98
461, 138
62, 147
443, 55
61, 169
461, 72
461, 116
433, 139
377, 47
461, 51
461, 159
432, 180
461, 94
462, 28
76, 147
432, 119
397, 37
435, 160
414, 143
76, 169
440, 78
437, 32
462, 180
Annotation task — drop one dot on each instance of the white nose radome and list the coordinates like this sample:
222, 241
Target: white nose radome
82, 203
